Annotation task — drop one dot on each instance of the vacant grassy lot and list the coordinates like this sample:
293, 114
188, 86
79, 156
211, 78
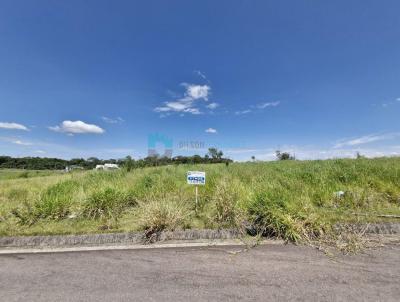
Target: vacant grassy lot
294, 200
16, 173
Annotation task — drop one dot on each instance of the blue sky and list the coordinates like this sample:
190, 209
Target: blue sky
95, 78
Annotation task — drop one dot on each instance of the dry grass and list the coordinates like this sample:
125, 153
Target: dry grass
158, 215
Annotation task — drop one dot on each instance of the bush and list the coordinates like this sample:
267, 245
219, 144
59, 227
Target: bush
284, 155
107, 203
272, 214
54, 203
226, 200
158, 215
270, 217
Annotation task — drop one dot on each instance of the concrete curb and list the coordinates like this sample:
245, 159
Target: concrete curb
114, 238
371, 228
137, 238
163, 245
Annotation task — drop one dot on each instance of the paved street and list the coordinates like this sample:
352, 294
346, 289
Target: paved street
265, 273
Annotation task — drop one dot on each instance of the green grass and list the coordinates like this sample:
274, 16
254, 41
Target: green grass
294, 200
16, 173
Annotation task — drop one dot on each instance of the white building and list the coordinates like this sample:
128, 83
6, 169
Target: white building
107, 167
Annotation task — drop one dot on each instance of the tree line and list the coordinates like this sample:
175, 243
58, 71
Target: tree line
43, 163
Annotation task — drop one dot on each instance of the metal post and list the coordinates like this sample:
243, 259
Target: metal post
197, 192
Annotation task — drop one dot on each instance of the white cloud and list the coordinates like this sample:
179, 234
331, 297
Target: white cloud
211, 130
21, 143
40, 151
183, 105
186, 104
258, 107
365, 139
16, 141
194, 111
109, 120
201, 75
179, 105
268, 104
197, 91
77, 127
212, 106
13, 126
243, 112
389, 103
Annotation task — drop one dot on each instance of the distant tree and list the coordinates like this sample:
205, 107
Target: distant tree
128, 163
196, 159
214, 153
151, 160
359, 155
92, 162
38, 163
284, 155
77, 162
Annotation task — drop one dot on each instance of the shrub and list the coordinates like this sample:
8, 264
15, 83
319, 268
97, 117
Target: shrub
56, 200
284, 155
226, 200
269, 215
106, 203
53, 203
157, 215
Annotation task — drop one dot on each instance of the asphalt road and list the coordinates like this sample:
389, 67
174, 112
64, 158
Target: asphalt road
265, 273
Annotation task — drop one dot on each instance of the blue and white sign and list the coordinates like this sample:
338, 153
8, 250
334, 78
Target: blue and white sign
196, 178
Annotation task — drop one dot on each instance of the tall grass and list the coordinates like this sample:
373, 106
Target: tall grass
294, 200
106, 203
53, 203
157, 215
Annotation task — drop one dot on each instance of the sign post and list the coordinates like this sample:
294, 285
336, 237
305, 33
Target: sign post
197, 193
196, 178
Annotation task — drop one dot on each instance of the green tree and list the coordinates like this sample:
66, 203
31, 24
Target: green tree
284, 155
128, 163
215, 153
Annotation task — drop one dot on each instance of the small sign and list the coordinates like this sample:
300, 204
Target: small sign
196, 178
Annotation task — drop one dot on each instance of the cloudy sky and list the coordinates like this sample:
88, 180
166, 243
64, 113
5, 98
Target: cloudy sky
320, 79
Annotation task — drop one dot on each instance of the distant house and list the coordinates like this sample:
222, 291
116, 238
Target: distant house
107, 167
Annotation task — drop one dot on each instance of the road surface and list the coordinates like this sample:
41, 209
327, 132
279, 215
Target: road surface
264, 273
